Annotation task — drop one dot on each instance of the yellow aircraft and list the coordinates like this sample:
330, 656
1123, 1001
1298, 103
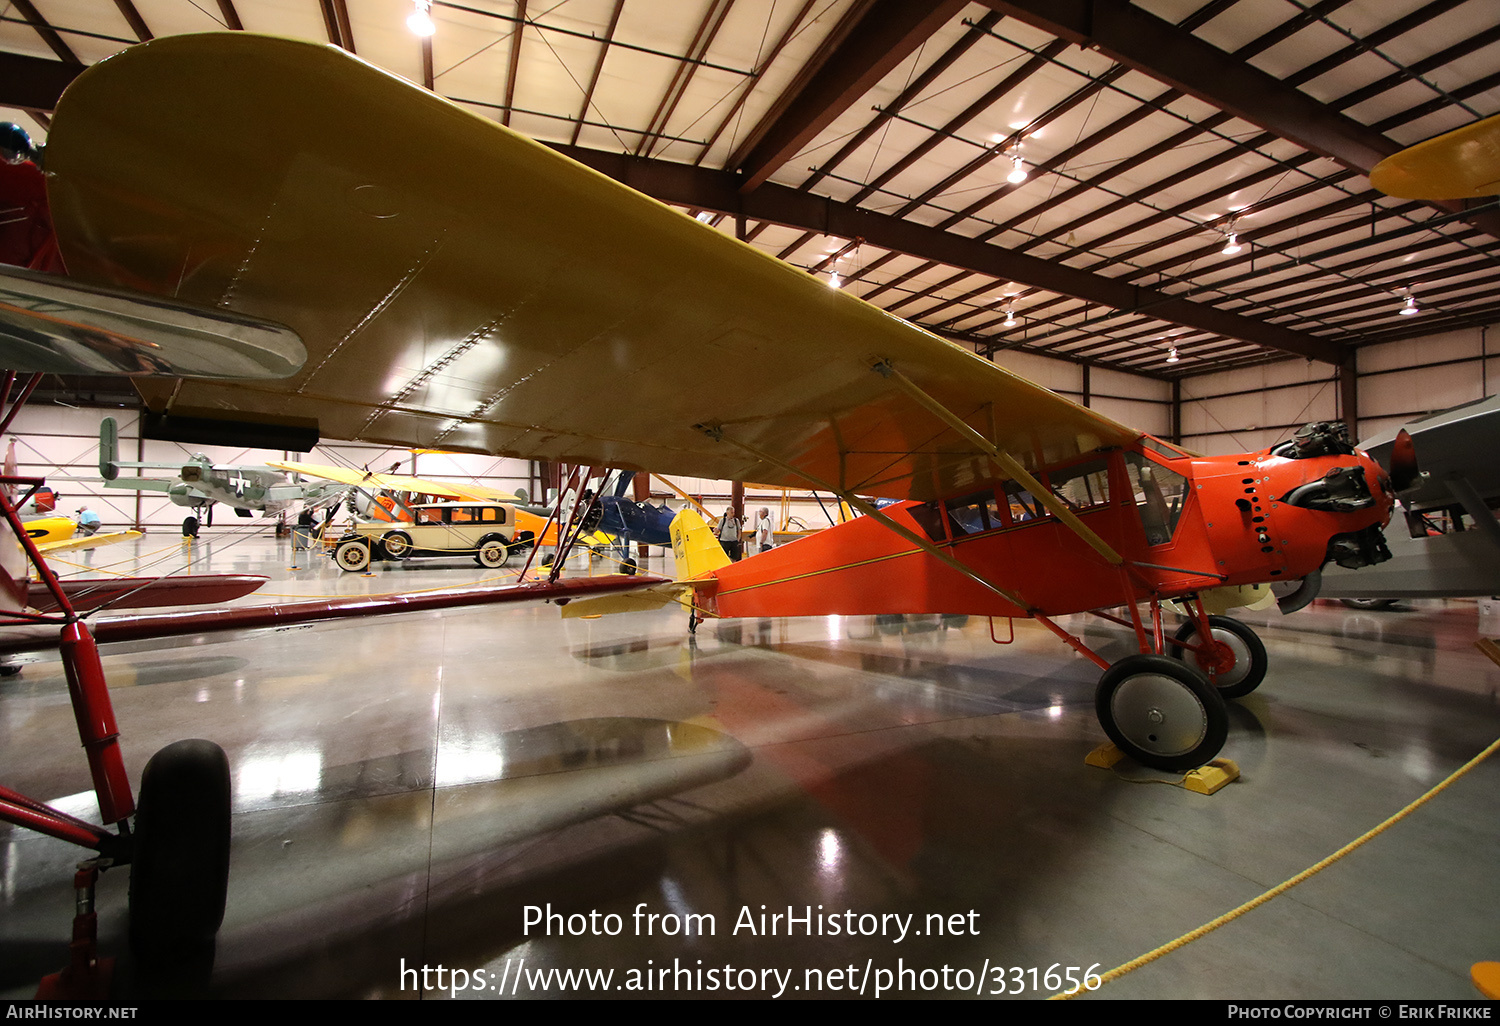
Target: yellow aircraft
1461, 164
59, 534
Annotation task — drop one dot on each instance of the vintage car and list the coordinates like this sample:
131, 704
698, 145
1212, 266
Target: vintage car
486, 531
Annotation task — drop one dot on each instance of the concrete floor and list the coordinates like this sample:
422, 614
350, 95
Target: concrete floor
406, 788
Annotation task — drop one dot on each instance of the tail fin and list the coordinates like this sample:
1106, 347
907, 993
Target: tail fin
698, 552
109, 449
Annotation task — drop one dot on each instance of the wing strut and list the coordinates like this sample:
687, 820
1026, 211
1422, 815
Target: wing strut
868, 510
1004, 461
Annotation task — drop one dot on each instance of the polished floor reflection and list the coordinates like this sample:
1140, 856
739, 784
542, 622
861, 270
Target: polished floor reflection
507, 793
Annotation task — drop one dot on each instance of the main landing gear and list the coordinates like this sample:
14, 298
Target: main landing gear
1164, 707
178, 845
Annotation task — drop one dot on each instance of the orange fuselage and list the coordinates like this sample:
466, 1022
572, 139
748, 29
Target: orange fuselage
1181, 524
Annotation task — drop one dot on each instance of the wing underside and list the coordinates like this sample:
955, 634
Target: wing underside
494, 296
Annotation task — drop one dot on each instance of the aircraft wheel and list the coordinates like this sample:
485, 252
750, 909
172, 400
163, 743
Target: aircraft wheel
1161, 712
492, 554
190, 527
352, 555
397, 544
630, 567
1237, 658
179, 873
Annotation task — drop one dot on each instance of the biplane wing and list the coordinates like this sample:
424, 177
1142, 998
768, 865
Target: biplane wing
396, 482
494, 296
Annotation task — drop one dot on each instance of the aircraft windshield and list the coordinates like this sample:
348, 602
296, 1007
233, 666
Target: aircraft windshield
1159, 496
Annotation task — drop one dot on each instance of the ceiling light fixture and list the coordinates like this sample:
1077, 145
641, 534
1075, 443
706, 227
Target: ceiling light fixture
1410, 307
833, 280
1010, 317
420, 21
1232, 246
1172, 357
1017, 171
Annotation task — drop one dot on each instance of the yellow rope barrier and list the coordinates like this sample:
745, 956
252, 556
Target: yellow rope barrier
1188, 938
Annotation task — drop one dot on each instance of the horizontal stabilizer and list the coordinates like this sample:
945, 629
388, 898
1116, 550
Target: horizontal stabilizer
631, 602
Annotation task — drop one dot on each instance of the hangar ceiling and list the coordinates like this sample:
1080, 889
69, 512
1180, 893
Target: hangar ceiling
876, 140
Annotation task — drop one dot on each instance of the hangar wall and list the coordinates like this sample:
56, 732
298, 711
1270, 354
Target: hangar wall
62, 444
1242, 410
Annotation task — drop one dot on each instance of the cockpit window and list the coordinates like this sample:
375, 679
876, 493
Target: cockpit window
1023, 505
1159, 496
971, 514
1083, 486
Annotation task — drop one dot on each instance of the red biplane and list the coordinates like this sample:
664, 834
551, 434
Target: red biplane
496, 297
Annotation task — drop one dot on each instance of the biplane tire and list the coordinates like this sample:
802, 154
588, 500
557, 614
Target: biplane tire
1249, 652
352, 556
179, 872
397, 544
630, 567
1161, 712
492, 554
190, 527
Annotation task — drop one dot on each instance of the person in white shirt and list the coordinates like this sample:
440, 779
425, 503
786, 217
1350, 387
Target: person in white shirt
763, 537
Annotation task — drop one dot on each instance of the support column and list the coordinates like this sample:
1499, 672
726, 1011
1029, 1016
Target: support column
1349, 394
1176, 421
1087, 387
640, 490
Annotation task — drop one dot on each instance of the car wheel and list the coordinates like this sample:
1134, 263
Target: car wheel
492, 554
397, 544
352, 555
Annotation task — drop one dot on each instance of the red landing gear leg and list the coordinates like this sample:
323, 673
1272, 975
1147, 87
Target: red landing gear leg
96, 722
87, 977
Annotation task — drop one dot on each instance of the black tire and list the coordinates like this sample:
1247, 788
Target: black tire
1161, 712
179, 873
630, 567
1250, 658
190, 527
352, 556
492, 554
397, 544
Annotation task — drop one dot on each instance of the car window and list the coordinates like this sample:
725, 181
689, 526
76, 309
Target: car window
429, 516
